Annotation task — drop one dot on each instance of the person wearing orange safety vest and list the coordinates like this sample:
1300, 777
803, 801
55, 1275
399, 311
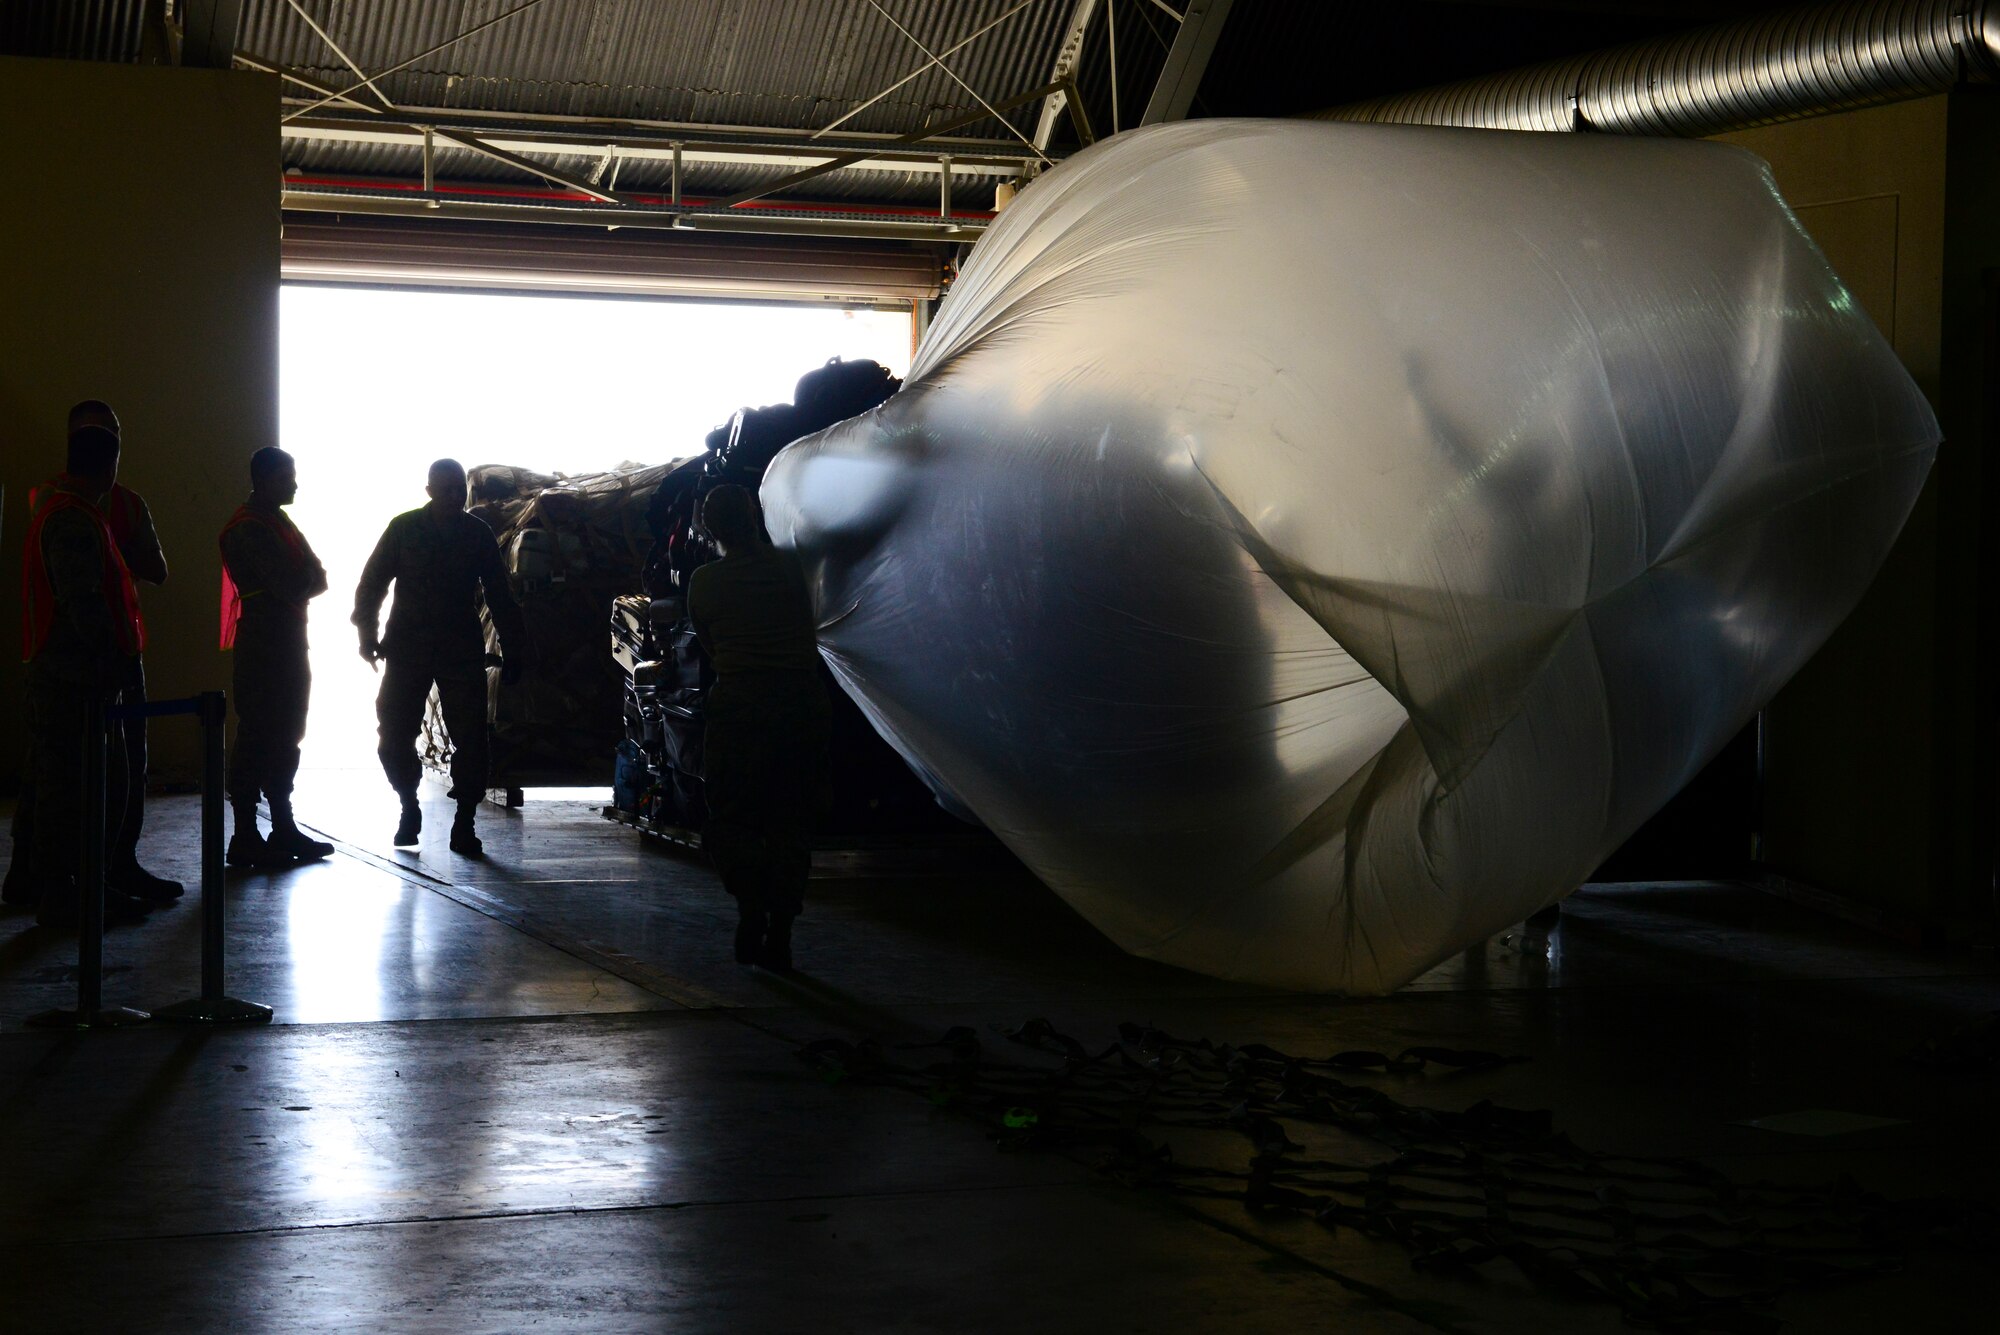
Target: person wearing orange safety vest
269, 574
131, 525
80, 625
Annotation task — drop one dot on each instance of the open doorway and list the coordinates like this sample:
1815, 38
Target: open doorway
376, 383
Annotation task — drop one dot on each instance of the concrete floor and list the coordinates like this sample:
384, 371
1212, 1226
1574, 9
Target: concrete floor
535, 1092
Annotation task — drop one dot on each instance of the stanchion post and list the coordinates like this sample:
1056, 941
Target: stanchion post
90, 923
213, 1006
91, 1012
214, 719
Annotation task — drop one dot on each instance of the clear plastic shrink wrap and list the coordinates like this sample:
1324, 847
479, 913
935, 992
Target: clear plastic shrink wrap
1314, 547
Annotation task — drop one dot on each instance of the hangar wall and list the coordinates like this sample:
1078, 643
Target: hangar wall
142, 269
1878, 759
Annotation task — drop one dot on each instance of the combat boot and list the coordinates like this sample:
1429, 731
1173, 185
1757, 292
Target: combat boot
287, 838
142, 885
777, 952
59, 907
464, 839
751, 924
291, 842
411, 826
247, 848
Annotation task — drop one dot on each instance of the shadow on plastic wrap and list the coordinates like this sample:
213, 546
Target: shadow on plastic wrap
1313, 548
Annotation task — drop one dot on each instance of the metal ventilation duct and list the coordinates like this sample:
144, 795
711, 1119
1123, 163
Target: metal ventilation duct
1777, 67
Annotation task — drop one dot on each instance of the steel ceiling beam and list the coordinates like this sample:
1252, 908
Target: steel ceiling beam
915, 136
736, 145
208, 32
306, 81
977, 96
345, 59
953, 233
529, 165
1064, 70
1187, 61
409, 204
429, 51
928, 65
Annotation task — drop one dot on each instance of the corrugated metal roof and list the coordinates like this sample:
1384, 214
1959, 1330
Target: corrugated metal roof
787, 66
72, 29
778, 63
1144, 34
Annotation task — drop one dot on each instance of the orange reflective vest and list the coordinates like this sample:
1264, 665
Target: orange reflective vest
121, 514
232, 597
38, 594
120, 508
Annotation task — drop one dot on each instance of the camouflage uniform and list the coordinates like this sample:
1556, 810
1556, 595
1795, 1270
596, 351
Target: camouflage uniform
434, 637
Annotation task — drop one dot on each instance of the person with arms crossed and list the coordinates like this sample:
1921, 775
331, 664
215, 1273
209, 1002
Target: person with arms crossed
269, 574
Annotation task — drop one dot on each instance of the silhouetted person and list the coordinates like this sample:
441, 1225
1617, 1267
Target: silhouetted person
269, 574
131, 525
764, 748
439, 558
81, 631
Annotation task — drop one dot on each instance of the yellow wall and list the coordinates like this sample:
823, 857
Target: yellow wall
1870, 187
1866, 753
141, 267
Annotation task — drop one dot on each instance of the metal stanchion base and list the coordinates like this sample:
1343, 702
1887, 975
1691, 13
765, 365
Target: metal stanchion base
220, 1010
108, 1017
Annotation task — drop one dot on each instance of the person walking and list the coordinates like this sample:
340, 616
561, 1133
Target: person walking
269, 575
441, 561
764, 747
80, 629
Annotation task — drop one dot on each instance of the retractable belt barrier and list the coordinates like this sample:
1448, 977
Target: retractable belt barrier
213, 1006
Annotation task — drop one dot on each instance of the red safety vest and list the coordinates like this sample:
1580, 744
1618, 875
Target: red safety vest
38, 595
121, 512
120, 509
232, 597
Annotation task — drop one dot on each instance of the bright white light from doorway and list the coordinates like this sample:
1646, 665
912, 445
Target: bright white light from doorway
375, 384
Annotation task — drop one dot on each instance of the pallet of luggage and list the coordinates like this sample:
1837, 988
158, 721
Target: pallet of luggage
620, 546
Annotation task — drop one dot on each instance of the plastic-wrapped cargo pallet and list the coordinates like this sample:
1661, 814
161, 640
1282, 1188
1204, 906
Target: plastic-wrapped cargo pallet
572, 544
1314, 547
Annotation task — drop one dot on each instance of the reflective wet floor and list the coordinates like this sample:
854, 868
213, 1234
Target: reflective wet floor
535, 1092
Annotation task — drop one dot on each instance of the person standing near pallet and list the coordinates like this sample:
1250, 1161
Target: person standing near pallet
440, 559
768, 718
269, 574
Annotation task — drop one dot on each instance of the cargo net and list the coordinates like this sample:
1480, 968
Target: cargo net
1674, 1244
572, 543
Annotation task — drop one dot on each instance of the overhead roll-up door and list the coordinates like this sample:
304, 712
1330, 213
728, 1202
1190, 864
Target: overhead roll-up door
651, 263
